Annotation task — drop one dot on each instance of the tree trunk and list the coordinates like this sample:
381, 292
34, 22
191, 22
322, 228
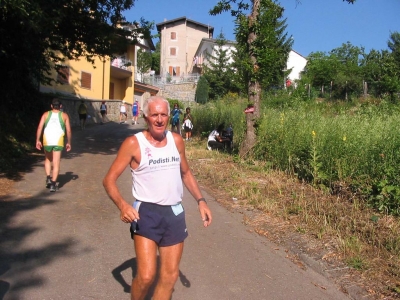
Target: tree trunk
254, 90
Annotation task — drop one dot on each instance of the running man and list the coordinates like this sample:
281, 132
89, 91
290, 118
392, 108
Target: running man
55, 124
135, 112
158, 165
122, 113
103, 112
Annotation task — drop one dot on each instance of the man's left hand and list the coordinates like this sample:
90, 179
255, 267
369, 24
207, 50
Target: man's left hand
205, 213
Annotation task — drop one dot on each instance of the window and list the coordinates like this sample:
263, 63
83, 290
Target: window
63, 75
173, 35
172, 51
86, 80
174, 71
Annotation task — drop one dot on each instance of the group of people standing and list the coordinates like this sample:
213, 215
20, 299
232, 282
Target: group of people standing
187, 124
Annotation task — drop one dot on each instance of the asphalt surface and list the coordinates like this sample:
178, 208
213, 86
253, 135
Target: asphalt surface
72, 245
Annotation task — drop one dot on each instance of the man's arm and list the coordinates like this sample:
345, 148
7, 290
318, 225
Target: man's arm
39, 131
191, 183
68, 131
124, 158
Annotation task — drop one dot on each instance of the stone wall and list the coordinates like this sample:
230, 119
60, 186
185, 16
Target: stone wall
70, 106
181, 91
184, 92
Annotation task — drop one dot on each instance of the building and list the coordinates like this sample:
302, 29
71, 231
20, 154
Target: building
180, 39
104, 79
208, 47
295, 62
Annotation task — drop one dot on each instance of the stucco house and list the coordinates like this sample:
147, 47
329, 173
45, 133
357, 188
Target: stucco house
180, 39
105, 79
208, 47
296, 62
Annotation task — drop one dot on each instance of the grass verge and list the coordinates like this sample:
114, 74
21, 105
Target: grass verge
356, 245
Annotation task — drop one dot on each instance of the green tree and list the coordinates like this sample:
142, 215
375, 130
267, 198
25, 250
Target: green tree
320, 71
155, 58
349, 73
394, 46
36, 35
263, 48
219, 71
202, 90
36, 32
255, 46
373, 71
144, 62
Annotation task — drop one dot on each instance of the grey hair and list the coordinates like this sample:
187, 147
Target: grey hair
153, 99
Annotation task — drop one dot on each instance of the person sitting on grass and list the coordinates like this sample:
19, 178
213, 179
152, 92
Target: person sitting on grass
216, 140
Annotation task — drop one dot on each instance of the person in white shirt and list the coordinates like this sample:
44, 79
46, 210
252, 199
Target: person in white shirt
216, 140
187, 125
158, 165
123, 112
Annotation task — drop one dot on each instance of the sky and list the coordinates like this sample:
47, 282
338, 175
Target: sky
315, 25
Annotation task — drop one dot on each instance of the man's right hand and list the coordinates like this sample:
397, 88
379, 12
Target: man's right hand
129, 214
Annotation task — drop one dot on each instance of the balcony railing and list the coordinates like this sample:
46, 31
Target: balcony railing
122, 63
158, 80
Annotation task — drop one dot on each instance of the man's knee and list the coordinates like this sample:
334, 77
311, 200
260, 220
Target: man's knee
169, 278
145, 280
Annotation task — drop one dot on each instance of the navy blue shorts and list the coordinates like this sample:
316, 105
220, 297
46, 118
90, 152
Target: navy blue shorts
165, 225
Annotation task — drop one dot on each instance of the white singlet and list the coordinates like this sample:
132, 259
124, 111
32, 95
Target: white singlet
157, 179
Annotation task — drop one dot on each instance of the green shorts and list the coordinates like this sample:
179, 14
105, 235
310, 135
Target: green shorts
53, 148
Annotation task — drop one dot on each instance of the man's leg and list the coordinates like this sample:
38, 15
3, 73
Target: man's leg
169, 271
56, 165
146, 261
47, 162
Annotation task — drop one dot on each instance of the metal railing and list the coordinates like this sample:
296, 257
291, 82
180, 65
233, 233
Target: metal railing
159, 80
122, 63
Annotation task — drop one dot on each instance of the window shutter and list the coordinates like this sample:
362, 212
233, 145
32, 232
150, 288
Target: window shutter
173, 35
86, 80
172, 51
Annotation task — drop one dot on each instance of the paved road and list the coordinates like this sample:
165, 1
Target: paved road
72, 245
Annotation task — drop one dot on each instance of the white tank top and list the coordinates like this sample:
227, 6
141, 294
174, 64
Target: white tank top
157, 179
53, 134
122, 108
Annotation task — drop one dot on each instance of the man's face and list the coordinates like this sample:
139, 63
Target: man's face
157, 119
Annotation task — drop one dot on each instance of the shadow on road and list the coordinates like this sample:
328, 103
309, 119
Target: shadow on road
18, 262
131, 263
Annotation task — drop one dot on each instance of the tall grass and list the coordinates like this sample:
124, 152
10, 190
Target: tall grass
208, 117
354, 145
